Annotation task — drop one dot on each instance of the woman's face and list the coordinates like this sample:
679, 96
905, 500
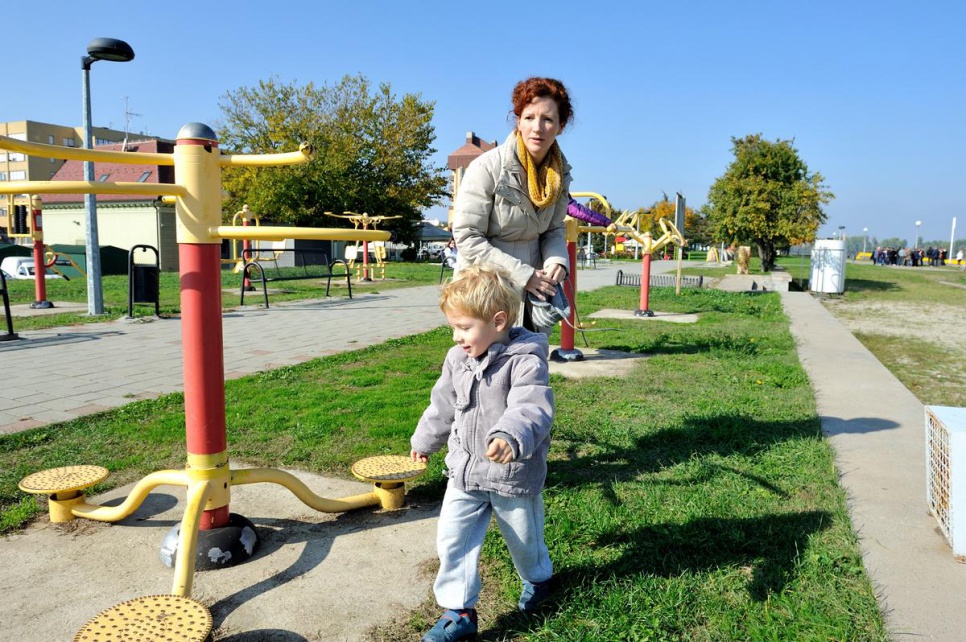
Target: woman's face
539, 125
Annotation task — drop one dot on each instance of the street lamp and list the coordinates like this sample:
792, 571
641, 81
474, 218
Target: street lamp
841, 232
111, 50
918, 224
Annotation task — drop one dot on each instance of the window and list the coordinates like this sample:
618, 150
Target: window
103, 178
50, 139
16, 157
3, 157
69, 142
143, 177
3, 176
18, 136
19, 175
104, 141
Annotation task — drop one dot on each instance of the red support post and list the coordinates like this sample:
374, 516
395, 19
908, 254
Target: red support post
204, 363
567, 330
40, 265
644, 311
365, 260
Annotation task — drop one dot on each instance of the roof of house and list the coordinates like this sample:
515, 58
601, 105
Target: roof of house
73, 170
473, 147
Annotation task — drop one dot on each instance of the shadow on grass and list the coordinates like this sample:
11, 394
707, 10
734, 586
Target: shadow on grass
866, 285
723, 435
767, 548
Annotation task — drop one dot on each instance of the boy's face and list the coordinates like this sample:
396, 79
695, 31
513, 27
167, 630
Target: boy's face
476, 335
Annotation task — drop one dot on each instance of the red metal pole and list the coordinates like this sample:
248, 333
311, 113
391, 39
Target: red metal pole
40, 265
644, 311
567, 330
203, 352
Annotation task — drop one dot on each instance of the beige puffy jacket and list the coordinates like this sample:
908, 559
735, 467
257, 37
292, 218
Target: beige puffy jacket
495, 220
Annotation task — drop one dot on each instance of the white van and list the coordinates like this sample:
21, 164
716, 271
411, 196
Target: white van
20, 267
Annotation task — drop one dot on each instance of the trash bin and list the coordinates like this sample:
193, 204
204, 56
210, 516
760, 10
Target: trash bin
828, 267
144, 281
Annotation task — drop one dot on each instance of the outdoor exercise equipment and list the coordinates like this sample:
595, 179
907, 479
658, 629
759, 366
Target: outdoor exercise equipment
208, 528
364, 220
627, 223
26, 221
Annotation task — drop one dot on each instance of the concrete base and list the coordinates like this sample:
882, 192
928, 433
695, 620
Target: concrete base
772, 282
597, 363
314, 577
673, 317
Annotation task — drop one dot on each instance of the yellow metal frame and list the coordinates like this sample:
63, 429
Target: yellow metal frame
626, 223
365, 220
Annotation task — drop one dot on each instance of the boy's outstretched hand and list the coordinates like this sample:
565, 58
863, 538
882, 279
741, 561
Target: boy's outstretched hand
420, 457
499, 451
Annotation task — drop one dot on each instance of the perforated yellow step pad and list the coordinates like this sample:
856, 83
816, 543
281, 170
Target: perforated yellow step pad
388, 468
63, 479
149, 619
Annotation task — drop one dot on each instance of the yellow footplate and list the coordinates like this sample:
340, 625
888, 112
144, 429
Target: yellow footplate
62, 480
387, 468
150, 618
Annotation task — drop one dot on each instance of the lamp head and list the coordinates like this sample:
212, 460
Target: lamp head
110, 49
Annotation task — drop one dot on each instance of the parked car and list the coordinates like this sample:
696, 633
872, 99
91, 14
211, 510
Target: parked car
19, 267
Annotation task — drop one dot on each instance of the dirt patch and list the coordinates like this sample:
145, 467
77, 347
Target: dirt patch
939, 324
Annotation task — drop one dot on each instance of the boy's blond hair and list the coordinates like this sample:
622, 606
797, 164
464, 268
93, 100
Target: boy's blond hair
480, 290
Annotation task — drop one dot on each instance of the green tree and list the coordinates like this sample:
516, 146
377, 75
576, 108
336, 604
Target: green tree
767, 197
372, 153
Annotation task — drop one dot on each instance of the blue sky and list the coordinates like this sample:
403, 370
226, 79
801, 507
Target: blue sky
871, 92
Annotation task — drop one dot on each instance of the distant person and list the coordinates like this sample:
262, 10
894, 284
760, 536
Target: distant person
959, 259
494, 406
449, 253
512, 200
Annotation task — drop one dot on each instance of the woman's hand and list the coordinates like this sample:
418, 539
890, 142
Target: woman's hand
541, 285
556, 273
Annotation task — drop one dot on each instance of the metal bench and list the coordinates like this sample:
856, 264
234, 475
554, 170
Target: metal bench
253, 272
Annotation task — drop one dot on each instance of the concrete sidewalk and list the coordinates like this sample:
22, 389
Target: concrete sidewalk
876, 427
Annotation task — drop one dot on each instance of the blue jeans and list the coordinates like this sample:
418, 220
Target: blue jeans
463, 521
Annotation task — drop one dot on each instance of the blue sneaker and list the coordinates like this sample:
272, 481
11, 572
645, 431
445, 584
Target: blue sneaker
453, 626
534, 594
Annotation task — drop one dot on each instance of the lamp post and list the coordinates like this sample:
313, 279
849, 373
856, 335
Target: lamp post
111, 50
865, 236
918, 224
841, 232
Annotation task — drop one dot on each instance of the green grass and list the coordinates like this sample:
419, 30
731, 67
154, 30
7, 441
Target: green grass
693, 499
115, 292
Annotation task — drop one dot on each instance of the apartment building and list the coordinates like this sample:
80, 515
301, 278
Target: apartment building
15, 166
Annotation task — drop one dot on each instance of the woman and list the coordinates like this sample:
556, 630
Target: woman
449, 254
512, 200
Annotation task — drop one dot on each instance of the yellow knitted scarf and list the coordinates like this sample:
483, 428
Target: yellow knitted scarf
543, 182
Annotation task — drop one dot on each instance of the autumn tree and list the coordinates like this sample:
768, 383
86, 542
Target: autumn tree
372, 153
767, 197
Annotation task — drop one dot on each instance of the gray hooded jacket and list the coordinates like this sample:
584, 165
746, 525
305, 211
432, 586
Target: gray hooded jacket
504, 393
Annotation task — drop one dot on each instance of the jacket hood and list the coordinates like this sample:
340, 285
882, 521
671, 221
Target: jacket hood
522, 342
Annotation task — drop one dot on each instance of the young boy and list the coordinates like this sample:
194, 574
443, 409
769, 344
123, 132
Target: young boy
494, 406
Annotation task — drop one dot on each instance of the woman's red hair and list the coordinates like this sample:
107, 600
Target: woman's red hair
526, 90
